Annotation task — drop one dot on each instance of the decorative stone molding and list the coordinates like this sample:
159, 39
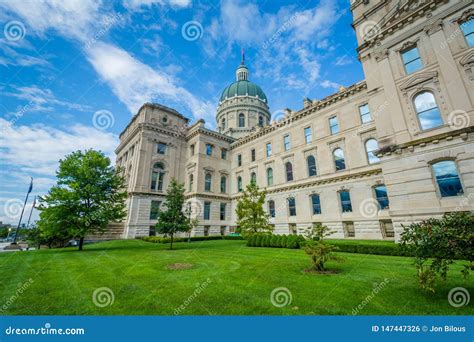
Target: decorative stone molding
467, 62
434, 27
419, 78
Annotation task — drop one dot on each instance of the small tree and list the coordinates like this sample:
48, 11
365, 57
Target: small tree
192, 222
318, 249
172, 218
88, 195
251, 216
436, 243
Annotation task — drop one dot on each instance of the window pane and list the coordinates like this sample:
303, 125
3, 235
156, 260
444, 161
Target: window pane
311, 166
208, 182
413, 66
447, 178
155, 209
270, 177
346, 205
271, 208
334, 125
207, 210
339, 159
208, 149
468, 30
289, 171
371, 146
381, 195
365, 114
316, 204
292, 206
470, 39
161, 149
222, 211
223, 184
239, 183
425, 101
410, 55
269, 150
430, 119
286, 140
308, 135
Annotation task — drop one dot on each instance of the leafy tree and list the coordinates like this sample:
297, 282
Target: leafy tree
318, 249
251, 216
89, 194
172, 218
436, 243
192, 222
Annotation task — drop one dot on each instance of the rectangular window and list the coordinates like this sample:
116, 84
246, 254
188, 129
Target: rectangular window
223, 229
207, 210
271, 208
269, 149
411, 60
206, 230
316, 204
209, 149
223, 153
468, 29
365, 113
253, 154
333, 125
381, 195
346, 205
239, 160
286, 142
308, 135
222, 211
292, 206
349, 230
191, 150
161, 148
154, 210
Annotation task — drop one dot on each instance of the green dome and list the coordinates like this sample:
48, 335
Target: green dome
243, 88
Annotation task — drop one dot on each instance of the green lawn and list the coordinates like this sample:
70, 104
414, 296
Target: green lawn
241, 280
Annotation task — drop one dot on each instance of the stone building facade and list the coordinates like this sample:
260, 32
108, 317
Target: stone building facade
392, 149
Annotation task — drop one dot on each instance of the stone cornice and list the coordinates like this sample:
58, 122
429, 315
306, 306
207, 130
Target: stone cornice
211, 133
295, 116
223, 197
463, 133
322, 181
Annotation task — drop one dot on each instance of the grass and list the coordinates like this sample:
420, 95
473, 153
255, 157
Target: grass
240, 282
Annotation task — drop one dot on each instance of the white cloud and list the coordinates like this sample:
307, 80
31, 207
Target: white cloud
330, 84
37, 149
343, 60
135, 83
139, 4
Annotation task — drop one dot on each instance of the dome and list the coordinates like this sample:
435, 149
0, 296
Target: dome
243, 88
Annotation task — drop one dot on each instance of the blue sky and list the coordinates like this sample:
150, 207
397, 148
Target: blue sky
74, 72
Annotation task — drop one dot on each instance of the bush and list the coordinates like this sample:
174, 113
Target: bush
161, 239
258, 240
268, 239
273, 241
292, 242
251, 240
283, 241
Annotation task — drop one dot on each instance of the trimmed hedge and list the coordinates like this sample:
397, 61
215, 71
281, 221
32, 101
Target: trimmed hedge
275, 241
160, 239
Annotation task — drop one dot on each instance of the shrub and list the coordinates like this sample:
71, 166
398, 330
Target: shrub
435, 244
292, 242
251, 240
273, 241
268, 240
283, 241
318, 249
258, 240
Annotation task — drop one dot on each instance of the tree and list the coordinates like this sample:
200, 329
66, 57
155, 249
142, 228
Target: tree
192, 222
89, 194
318, 249
251, 216
172, 218
436, 243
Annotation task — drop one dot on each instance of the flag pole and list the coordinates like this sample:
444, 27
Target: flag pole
22, 211
31, 212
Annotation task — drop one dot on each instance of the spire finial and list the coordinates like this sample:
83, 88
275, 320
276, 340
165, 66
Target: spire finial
243, 57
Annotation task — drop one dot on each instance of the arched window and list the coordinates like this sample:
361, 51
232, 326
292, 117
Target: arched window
260, 120
311, 161
339, 160
207, 182
223, 184
239, 184
381, 196
157, 177
289, 171
271, 208
371, 146
223, 123
427, 110
241, 120
269, 176
447, 178
191, 182
253, 177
